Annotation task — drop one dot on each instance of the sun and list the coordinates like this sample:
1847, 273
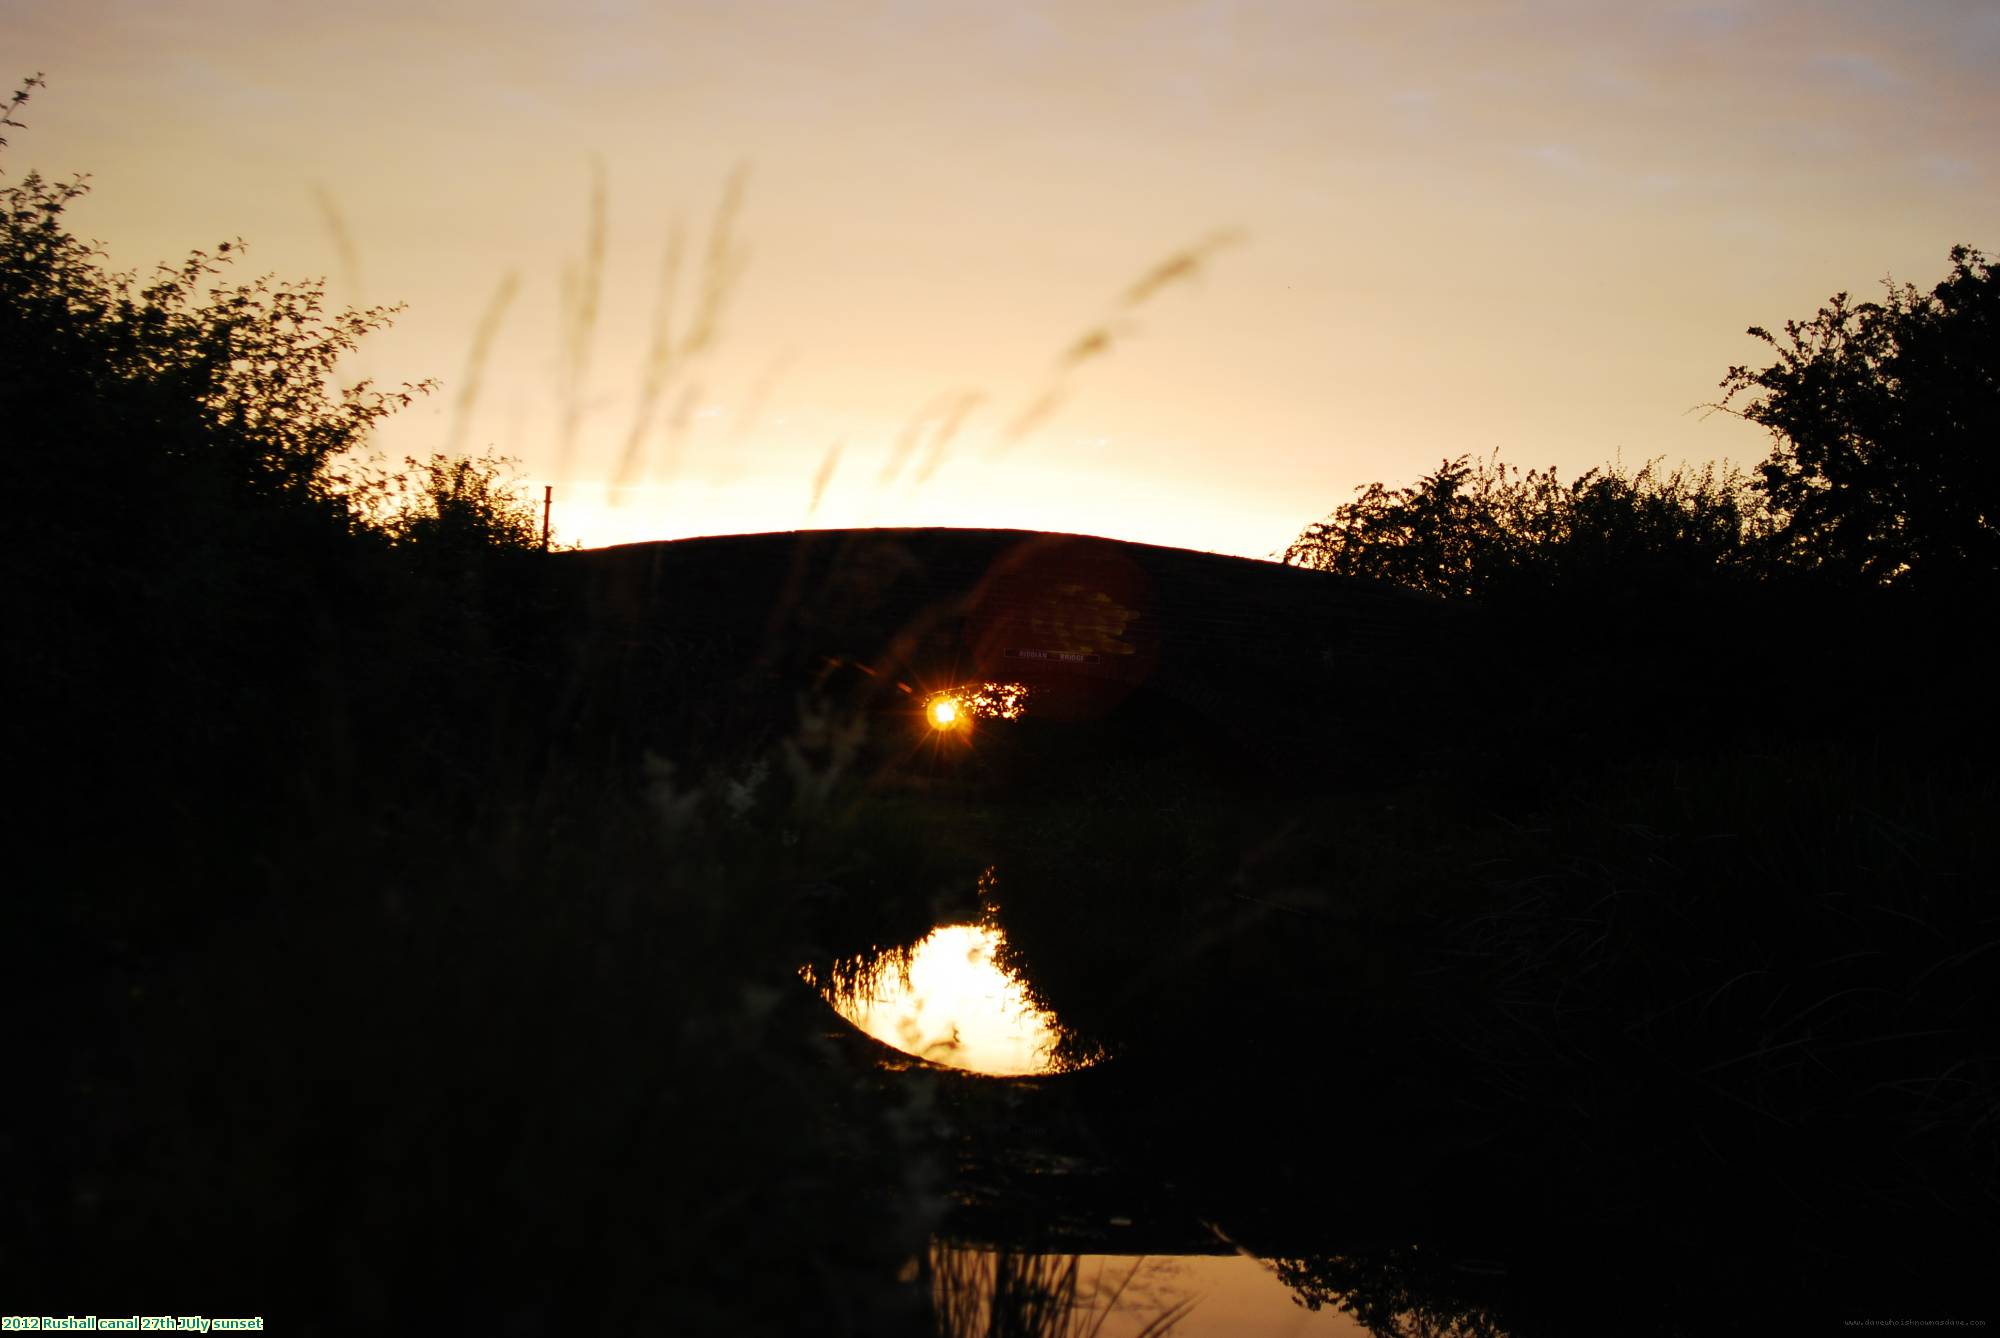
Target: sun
944, 713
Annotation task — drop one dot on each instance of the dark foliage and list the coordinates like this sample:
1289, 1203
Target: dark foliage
368, 983
1885, 470
379, 975
460, 504
1886, 419
1479, 528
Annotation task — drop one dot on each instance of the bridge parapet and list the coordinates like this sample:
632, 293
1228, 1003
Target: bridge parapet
1084, 621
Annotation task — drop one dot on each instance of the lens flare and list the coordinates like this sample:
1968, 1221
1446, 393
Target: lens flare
944, 713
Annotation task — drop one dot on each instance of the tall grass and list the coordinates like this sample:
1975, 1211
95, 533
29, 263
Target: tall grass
667, 382
983, 1293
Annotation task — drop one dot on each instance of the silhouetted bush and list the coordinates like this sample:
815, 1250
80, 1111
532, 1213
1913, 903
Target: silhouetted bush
1478, 528
459, 503
182, 408
160, 401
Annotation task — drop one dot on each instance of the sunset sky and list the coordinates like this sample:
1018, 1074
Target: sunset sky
1411, 230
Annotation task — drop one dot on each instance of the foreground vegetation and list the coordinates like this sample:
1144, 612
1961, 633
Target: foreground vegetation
378, 965
362, 978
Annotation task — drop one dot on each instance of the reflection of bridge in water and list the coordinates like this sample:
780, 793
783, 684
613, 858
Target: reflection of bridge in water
1027, 1172
1084, 622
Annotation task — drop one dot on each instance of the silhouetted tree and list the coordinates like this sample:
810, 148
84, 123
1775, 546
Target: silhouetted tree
1887, 422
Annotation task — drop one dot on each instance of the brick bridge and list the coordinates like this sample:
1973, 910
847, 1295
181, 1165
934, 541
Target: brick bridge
1085, 622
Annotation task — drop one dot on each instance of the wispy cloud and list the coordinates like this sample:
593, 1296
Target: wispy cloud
1561, 158
1856, 71
1946, 168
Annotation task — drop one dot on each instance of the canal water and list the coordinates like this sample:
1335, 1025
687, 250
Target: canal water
950, 1000
1133, 1296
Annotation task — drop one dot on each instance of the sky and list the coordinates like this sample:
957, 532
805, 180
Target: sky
1186, 274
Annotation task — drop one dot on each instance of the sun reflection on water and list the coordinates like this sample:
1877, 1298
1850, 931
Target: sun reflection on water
949, 1001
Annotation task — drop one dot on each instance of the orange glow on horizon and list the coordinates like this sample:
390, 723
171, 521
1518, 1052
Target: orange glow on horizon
976, 496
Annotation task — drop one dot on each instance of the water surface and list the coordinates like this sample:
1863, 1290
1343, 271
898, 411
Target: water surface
947, 999
980, 1290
